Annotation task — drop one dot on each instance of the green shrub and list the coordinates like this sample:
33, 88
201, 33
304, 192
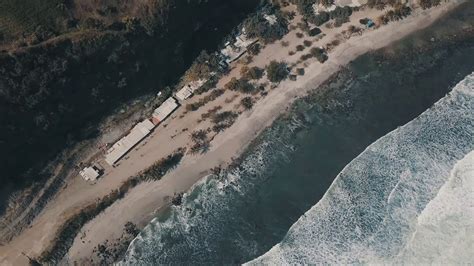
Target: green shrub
257, 26
241, 85
319, 53
306, 57
201, 141
277, 71
429, 3
247, 103
254, 49
254, 73
223, 120
319, 19
211, 97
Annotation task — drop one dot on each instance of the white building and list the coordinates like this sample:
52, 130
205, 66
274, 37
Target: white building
232, 52
184, 93
341, 3
189, 89
164, 110
89, 173
121, 147
272, 19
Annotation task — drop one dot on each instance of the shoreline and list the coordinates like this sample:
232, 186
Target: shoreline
142, 202
234, 143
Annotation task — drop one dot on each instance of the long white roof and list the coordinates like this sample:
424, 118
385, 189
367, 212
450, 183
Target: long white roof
165, 109
121, 147
184, 93
189, 89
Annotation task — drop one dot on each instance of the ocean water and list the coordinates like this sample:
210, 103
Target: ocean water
407, 199
243, 212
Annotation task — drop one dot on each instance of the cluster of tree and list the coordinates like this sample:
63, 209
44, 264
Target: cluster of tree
202, 67
160, 168
113, 251
306, 57
131, 229
177, 199
333, 44
254, 49
256, 26
319, 54
223, 120
305, 7
247, 102
201, 141
241, 85
251, 73
277, 71
425, 4
381, 4
338, 14
398, 13
203, 101
210, 113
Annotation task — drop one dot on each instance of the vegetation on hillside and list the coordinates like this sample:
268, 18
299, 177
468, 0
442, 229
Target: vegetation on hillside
45, 18
256, 26
54, 93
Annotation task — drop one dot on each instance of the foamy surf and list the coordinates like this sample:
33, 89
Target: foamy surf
444, 232
189, 229
406, 199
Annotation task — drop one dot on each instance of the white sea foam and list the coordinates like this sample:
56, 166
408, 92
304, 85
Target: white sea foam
444, 233
192, 228
408, 198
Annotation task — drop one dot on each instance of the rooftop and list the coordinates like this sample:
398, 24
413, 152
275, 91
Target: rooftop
165, 109
89, 173
121, 147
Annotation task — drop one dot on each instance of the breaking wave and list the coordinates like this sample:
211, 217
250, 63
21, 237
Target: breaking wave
408, 198
189, 233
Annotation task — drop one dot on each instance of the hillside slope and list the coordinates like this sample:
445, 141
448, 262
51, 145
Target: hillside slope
74, 62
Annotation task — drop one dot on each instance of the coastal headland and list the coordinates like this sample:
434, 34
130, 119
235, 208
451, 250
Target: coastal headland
140, 202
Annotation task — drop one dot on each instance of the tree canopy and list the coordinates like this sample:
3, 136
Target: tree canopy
277, 71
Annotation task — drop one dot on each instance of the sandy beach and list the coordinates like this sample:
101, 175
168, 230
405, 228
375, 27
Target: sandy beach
142, 202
